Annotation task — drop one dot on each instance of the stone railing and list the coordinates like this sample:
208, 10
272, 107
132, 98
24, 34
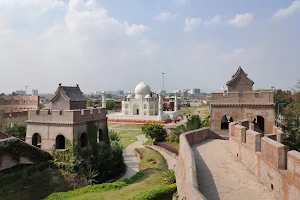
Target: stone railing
186, 176
269, 160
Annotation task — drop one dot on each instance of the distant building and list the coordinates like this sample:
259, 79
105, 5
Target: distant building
20, 92
195, 91
35, 92
19, 103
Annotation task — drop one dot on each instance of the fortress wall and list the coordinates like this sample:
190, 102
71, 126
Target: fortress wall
265, 97
186, 176
66, 116
275, 166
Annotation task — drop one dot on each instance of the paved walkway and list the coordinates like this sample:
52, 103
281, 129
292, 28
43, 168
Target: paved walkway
222, 176
130, 158
171, 161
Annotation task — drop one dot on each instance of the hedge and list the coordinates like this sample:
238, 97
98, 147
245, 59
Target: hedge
158, 194
95, 188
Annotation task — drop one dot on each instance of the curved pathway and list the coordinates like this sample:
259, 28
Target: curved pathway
171, 161
130, 158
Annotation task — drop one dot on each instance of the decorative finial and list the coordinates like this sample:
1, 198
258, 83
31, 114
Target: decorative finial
77, 85
59, 84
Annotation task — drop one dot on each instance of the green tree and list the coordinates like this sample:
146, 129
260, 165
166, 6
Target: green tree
291, 125
284, 98
155, 131
18, 130
113, 135
90, 103
193, 123
110, 104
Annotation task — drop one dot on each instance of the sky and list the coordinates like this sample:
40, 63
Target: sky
115, 44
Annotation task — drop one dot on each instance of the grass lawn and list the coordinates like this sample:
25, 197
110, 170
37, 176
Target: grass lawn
112, 124
127, 136
152, 164
203, 111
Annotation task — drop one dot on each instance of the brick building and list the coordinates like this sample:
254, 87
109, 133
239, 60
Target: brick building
67, 119
241, 102
19, 103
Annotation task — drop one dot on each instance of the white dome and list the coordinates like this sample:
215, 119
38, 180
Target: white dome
147, 96
141, 90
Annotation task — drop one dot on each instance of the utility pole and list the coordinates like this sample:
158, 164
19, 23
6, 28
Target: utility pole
163, 74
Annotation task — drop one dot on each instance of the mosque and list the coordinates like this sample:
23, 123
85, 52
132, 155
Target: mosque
144, 106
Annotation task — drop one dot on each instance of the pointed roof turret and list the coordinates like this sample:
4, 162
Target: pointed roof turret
239, 82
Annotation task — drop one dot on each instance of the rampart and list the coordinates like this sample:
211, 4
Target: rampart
265, 97
186, 176
14, 117
66, 116
269, 160
14, 152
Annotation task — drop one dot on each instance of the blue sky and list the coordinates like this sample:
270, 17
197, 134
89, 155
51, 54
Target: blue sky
114, 44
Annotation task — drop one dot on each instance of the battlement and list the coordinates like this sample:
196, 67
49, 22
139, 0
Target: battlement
264, 97
276, 166
66, 116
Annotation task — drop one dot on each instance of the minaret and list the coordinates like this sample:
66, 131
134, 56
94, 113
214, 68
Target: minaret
103, 100
160, 105
175, 102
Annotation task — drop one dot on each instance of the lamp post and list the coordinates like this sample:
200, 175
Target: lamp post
278, 113
163, 75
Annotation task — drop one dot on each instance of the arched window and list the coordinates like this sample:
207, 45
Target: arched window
259, 124
83, 140
226, 119
145, 106
101, 136
60, 142
36, 140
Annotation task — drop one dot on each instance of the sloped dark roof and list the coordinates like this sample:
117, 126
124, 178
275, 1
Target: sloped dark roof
237, 75
70, 92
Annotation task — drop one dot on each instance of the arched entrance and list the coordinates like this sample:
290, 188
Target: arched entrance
226, 119
60, 142
83, 140
36, 140
135, 109
259, 124
101, 136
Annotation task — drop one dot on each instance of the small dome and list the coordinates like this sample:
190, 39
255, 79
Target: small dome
147, 96
141, 90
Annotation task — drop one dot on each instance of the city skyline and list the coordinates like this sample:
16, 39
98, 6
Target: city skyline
107, 44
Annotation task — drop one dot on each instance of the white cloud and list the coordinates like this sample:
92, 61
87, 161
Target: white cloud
215, 20
241, 20
230, 56
181, 2
284, 12
135, 29
165, 16
191, 23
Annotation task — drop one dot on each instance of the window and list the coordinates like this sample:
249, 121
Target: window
101, 135
60, 142
36, 140
145, 106
83, 140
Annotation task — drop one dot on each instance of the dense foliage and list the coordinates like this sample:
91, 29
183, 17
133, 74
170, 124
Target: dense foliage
284, 98
18, 130
291, 125
169, 176
113, 135
110, 104
194, 122
158, 194
155, 131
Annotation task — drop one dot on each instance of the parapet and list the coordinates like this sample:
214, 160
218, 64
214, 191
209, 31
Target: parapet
256, 98
66, 116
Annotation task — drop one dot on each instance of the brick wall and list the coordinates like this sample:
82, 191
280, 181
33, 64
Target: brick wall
186, 176
19, 102
276, 167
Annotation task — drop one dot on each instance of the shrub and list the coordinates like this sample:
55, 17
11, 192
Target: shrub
90, 175
158, 194
134, 178
113, 135
155, 131
169, 176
